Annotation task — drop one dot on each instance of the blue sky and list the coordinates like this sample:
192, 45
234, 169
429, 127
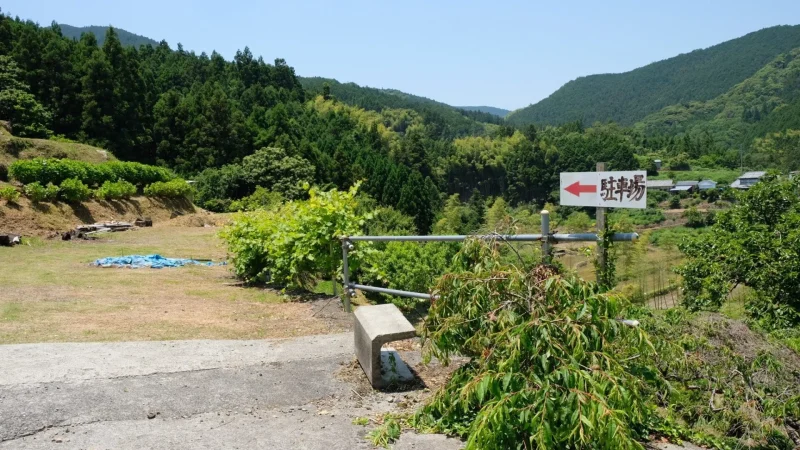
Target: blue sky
499, 53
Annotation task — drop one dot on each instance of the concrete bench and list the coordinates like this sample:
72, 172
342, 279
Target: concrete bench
375, 326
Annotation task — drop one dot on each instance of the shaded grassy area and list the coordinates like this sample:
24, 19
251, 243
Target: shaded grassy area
51, 293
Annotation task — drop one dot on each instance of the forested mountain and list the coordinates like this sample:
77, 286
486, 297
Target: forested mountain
696, 76
763, 103
454, 122
126, 38
236, 125
500, 112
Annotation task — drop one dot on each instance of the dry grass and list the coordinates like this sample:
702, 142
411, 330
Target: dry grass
45, 219
51, 293
13, 148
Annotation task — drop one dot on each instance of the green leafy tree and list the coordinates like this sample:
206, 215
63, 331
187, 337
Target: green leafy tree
755, 243
273, 169
17, 105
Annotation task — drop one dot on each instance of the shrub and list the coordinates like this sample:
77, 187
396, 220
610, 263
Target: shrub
57, 170
9, 194
694, 218
260, 199
550, 365
115, 190
38, 193
657, 195
176, 188
73, 190
577, 222
217, 204
216, 187
408, 266
292, 244
675, 202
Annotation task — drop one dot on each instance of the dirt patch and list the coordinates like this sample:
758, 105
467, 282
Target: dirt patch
735, 335
47, 219
200, 218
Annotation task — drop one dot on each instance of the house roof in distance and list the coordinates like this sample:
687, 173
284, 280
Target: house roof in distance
659, 183
752, 175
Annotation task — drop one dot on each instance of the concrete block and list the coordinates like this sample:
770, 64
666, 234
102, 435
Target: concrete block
375, 326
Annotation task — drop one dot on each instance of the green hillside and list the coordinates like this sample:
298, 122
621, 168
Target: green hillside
500, 112
629, 97
126, 38
452, 121
768, 101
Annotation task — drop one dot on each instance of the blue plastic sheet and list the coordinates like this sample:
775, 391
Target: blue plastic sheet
151, 261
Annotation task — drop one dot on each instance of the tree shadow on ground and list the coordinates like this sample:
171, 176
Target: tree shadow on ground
82, 212
41, 207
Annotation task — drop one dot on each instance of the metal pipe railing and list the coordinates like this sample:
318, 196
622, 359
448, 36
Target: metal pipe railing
545, 237
447, 238
392, 291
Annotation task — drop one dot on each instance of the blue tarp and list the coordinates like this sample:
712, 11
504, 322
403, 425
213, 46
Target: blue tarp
152, 261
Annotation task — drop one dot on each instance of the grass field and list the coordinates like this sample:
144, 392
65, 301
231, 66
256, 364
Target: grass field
723, 176
51, 293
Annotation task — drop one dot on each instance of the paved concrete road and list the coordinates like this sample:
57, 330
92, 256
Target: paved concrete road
280, 394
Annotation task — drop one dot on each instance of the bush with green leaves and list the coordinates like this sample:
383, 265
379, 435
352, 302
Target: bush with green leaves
74, 190
755, 243
38, 193
551, 366
115, 190
675, 201
55, 171
696, 219
657, 195
260, 199
177, 188
577, 222
217, 186
9, 194
408, 266
293, 244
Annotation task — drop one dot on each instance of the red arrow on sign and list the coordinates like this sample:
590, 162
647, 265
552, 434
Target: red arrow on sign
577, 188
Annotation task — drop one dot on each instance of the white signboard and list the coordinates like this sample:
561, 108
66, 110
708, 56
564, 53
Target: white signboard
604, 189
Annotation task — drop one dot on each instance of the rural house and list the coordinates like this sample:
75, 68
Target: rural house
706, 185
685, 186
747, 180
660, 185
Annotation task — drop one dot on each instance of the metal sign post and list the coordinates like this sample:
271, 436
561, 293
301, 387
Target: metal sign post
601, 225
